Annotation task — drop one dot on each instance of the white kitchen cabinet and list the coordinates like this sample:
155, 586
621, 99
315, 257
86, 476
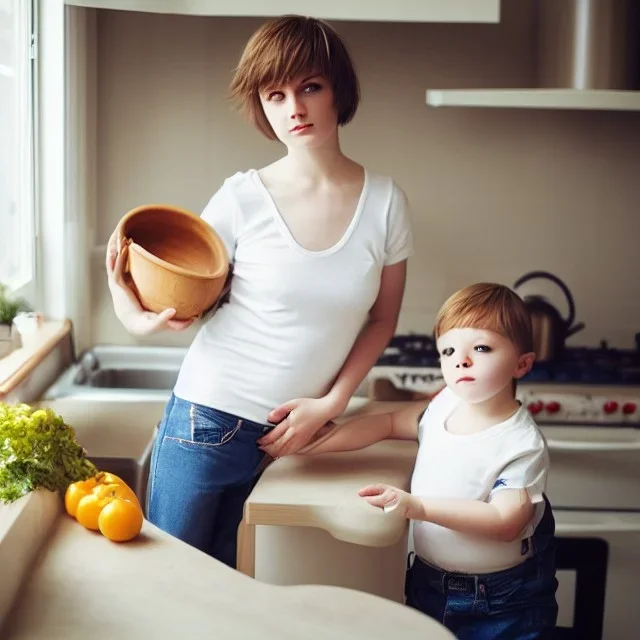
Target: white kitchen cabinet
398, 10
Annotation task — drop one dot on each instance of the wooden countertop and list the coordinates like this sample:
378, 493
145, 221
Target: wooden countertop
84, 586
19, 364
322, 491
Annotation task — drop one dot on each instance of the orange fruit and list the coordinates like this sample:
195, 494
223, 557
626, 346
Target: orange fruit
89, 506
89, 509
106, 477
107, 504
75, 492
120, 520
115, 491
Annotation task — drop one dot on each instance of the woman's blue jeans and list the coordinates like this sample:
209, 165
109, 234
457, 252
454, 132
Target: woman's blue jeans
204, 464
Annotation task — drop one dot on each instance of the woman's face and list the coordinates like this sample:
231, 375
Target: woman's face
302, 113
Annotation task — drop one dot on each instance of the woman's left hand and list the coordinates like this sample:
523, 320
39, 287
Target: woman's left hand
297, 421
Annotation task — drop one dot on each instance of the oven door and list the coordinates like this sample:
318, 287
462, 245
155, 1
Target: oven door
594, 490
598, 564
594, 467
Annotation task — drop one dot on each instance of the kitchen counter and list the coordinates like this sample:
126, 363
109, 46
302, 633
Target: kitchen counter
304, 522
322, 491
83, 585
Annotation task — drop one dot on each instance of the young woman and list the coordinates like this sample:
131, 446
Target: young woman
319, 248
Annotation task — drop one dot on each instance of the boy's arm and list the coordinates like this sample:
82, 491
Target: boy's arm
502, 519
360, 432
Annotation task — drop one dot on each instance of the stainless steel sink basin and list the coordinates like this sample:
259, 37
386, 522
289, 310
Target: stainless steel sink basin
114, 398
117, 435
128, 379
144, 372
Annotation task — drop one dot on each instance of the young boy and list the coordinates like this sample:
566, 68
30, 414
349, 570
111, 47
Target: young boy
483, 529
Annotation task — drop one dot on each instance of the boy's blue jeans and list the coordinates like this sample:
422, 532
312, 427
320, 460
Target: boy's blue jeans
515, 604
204, 464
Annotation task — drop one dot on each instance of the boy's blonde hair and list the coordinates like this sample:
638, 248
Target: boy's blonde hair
489, 306
282, 49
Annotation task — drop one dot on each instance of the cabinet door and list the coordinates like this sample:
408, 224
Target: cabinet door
384, 10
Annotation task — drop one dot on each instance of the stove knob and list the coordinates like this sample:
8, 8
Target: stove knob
553, 407
628, 408
610, 407
535, 407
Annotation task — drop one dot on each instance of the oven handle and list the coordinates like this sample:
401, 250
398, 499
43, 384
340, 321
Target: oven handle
593, 447
599, 522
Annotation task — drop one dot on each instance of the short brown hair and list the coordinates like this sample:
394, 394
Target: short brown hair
489, 306
282, 49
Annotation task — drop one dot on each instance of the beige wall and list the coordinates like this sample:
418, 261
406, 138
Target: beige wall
494, 192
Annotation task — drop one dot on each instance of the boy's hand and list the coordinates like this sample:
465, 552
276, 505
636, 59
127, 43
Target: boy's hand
393, 499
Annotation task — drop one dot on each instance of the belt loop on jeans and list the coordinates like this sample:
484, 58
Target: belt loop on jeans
481, 590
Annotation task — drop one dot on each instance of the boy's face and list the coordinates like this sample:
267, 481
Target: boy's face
478, 364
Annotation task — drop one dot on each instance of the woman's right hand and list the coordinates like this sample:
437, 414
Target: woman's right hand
129, 311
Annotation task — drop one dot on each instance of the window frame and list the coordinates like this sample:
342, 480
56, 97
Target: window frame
27, 285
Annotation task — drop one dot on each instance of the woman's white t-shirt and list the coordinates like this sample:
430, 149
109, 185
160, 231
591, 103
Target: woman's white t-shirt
293, 315
509, 455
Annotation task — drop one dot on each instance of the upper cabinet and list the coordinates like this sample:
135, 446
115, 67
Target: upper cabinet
588, 55
383, 10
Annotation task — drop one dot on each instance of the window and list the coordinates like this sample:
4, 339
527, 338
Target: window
17, 227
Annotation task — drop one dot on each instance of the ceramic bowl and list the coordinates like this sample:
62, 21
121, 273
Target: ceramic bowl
174, 259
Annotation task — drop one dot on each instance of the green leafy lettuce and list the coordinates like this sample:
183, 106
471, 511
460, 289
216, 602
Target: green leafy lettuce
38, 450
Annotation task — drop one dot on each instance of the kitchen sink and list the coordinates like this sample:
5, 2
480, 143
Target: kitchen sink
117, 435
143, 372
114, 398
128, 379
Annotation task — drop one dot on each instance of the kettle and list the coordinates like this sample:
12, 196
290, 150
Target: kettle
550, 329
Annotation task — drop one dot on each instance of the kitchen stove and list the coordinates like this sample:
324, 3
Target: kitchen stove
587, 385
587, 405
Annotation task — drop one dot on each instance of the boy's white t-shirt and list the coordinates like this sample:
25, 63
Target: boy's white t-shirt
293, 315
509, 455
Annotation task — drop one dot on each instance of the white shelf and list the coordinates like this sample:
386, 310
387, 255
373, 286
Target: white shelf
536, 99
387, 10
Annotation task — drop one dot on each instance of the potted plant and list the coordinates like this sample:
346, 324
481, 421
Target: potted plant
10, 307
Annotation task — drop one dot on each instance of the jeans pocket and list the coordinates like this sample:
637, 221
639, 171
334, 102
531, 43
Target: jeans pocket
210, 427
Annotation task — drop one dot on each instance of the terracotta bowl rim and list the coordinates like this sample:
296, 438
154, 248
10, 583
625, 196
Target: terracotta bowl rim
133, 246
